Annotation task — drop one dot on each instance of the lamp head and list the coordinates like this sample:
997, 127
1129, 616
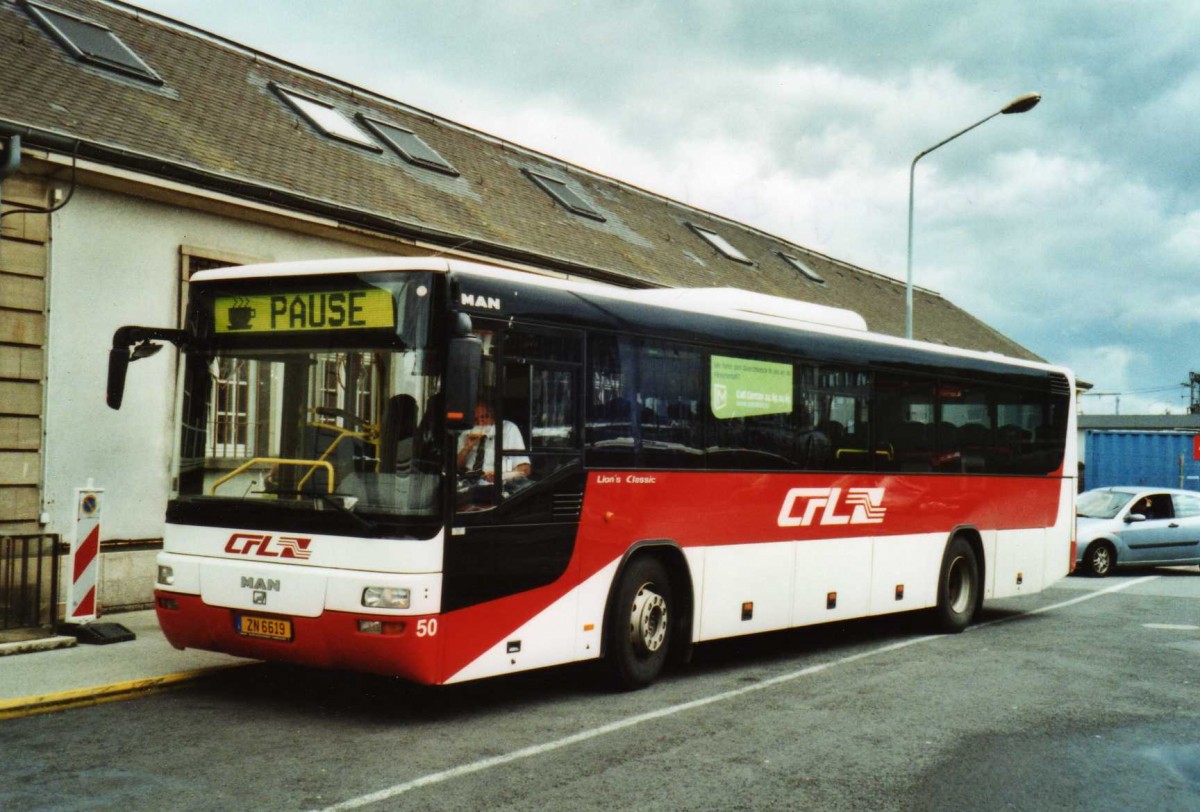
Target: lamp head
1022, 104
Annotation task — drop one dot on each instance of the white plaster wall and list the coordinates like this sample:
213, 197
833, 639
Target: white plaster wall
114, 261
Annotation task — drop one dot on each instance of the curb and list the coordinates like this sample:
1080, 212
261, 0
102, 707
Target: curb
64, 700
37, 644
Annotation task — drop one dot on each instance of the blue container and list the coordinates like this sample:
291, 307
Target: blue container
1157, 459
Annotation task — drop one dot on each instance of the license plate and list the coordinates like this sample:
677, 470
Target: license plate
272, 628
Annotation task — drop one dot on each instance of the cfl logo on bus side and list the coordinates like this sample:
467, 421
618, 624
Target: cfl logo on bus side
865, 504
268, 546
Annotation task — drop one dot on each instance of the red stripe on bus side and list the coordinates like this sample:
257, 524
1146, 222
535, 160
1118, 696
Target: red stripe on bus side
704, 509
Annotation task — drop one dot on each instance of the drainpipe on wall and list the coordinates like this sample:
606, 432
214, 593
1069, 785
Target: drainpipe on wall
12, 158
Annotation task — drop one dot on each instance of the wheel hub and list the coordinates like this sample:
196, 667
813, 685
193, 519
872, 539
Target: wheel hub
648, 620
958, 584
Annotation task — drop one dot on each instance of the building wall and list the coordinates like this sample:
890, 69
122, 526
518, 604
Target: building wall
23, 262
116, 259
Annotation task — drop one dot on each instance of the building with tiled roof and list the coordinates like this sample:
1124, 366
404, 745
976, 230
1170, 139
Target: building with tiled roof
135, 149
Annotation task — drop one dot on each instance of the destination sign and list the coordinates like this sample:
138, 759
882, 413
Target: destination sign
295, 312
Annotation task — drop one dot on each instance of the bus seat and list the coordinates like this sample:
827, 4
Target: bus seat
396, 434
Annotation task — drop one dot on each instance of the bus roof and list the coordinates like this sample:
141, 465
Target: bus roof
732, 303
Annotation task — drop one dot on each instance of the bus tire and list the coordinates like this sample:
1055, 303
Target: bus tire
642, 623
958, 587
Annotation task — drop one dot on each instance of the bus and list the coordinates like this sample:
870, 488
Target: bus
444, 471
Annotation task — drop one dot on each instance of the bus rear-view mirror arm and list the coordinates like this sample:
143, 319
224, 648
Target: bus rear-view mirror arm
131, 344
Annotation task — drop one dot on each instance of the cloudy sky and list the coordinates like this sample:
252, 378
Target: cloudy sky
1074, 228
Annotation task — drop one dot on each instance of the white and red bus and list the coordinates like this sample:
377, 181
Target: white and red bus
446, 471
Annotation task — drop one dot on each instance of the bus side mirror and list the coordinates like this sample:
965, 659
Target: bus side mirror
118, 365
462, 381
132, 344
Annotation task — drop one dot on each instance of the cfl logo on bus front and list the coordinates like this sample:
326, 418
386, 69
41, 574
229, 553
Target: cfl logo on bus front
268, 546
865, 506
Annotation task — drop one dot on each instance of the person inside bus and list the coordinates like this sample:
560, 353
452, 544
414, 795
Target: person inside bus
477, 456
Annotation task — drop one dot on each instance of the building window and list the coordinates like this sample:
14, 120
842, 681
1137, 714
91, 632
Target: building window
803, 267
233, 409
231, 426
564, 195
91, 42
408, 145
723, 246
326, 118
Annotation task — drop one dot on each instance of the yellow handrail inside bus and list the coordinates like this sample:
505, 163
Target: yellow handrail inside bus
886, 453
314, 464
342, 435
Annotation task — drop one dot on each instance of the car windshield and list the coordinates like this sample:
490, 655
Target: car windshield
1103, 504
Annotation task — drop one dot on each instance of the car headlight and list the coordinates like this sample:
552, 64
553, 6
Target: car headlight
386, 597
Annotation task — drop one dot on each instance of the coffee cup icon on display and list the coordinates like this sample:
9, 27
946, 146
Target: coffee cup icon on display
240, 316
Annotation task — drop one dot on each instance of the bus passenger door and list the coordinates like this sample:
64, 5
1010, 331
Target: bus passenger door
519, 488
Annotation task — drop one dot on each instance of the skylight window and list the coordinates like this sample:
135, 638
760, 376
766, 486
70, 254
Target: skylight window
801, 266
564, 195
326, 118
91, 42
409, 146
723, 246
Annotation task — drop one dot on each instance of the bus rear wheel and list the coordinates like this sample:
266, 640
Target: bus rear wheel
958, 587
641, 625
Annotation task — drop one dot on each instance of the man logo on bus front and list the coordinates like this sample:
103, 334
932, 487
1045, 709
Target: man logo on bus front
866, 506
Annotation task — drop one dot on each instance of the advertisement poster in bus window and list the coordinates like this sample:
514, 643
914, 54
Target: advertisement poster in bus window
745, 388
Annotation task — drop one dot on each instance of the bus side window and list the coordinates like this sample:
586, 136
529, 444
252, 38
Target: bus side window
541, 377
965, 430
755, 421
670, 390
842, 412
609, 431
904, 423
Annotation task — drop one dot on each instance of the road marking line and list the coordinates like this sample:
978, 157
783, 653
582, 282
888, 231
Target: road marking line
1171, 627
1072, 602
673, 710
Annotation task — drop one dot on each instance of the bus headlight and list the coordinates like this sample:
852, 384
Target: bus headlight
166, 575
386, 597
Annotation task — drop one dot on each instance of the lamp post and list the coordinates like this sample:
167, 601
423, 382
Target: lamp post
1021, 104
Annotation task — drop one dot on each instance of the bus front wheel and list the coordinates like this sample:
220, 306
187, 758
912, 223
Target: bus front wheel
958, 587
641, 625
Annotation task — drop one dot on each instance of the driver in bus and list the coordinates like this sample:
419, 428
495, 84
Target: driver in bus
476, 449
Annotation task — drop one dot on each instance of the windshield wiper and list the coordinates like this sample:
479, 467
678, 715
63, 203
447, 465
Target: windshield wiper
336, 502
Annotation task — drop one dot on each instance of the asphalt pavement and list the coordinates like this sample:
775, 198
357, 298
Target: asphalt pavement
44, 674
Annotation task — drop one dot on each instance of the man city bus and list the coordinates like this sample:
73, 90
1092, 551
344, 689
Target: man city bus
444, 471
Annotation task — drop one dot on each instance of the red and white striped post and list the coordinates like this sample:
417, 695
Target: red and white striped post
84, 561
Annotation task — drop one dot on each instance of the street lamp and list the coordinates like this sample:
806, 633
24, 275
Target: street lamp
1021, 104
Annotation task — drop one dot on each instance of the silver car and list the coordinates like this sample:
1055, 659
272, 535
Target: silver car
1136, 527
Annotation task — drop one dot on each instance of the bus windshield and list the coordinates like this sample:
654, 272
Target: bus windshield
314, 399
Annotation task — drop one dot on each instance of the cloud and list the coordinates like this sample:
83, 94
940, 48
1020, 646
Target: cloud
1072, 228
